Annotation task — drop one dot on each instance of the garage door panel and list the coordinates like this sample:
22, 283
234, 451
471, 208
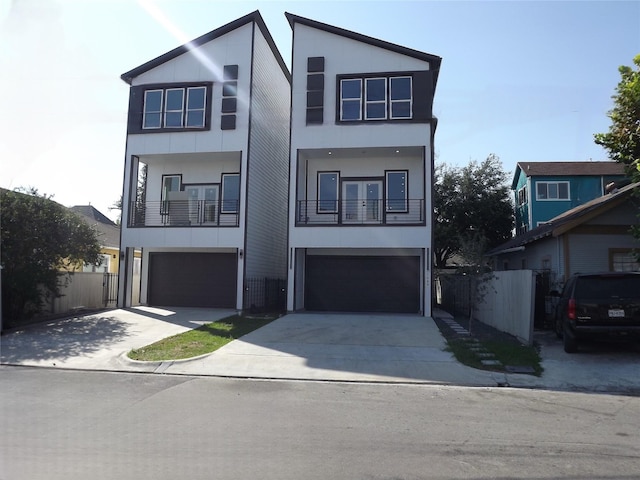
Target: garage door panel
193, 279
363, 284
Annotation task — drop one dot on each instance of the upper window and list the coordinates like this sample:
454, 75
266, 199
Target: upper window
552, 191
174, 108
327, 192
230, 193
397, 191
376, 98
522, 195
170, 183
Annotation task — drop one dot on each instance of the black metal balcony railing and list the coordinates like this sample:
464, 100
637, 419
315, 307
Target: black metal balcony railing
184, 213
360, 212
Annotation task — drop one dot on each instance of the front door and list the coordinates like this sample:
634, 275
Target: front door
203, 203
362, 201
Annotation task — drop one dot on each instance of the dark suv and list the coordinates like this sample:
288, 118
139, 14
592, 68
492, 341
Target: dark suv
599, 306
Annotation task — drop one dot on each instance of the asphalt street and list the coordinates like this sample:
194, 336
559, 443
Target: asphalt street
60, 424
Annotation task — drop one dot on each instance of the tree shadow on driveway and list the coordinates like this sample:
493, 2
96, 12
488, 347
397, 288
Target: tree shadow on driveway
62, 339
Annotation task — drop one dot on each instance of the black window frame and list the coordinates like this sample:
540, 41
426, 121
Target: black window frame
223, 200
320, 202
388, 207
364, 101
137, 113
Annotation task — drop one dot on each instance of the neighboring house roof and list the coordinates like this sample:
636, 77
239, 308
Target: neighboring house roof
569, 169
434, 60
108, 232
93, 213
567, 220
207, 37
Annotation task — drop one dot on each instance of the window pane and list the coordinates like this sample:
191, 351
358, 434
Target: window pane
401, 110
350, 88
541, 189
230, 193
174, 99
173, 119
153, 101
376, 89
328, 192
396, 191
401, 88
563, 191
552, 189
152, 109
195, 98
351, 110
152, 120
376, 110
195, 119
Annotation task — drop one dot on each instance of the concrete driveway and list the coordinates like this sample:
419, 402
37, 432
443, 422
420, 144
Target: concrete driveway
308, 346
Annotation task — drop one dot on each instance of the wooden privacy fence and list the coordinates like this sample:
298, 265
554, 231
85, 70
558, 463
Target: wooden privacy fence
507, 300
85, 290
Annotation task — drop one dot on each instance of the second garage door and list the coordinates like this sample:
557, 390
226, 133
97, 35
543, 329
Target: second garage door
363, 284
192, 279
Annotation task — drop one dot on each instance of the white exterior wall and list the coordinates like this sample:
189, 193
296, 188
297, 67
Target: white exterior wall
266, 243
343, 56
346, 56
203, 156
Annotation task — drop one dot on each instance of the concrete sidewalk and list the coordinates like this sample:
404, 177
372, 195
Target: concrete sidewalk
304, 346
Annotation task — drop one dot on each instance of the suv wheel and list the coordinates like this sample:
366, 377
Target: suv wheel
570, 341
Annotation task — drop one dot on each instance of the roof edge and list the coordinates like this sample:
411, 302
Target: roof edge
434, 60
207, 37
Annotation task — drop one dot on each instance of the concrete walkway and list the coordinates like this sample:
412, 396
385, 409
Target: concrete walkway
304, 346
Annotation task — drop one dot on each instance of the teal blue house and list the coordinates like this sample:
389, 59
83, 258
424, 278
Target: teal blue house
544, 190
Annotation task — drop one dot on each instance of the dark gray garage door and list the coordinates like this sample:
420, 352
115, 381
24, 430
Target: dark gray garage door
363, 284
192, 279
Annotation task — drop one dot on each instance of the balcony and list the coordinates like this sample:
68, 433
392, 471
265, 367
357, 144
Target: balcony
360, 212
184, 213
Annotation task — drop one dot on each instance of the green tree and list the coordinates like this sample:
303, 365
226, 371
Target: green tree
39, 239
622, 141
470, 203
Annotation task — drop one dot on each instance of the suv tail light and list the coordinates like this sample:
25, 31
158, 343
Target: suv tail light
571, 310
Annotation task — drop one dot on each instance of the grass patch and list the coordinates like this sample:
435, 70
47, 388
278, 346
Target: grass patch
507, 353
202, 340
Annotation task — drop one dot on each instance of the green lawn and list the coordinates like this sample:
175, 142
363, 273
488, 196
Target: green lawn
204, 339
506, 352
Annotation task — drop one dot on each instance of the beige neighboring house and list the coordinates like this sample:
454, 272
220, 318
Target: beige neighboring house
108, 236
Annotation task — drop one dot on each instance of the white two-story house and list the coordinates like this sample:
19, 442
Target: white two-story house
361, 171
206, 171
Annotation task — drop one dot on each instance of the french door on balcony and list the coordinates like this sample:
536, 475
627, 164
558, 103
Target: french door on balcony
362, 201
203, 203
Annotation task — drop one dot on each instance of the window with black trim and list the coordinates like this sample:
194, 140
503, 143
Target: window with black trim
552, 191
328, 192
175, 107
230, 193
376, 98
170, 183
397, 191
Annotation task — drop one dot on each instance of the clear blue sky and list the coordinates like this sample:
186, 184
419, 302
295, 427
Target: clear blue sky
524, 80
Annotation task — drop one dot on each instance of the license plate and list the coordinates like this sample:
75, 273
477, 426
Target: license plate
616, 313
